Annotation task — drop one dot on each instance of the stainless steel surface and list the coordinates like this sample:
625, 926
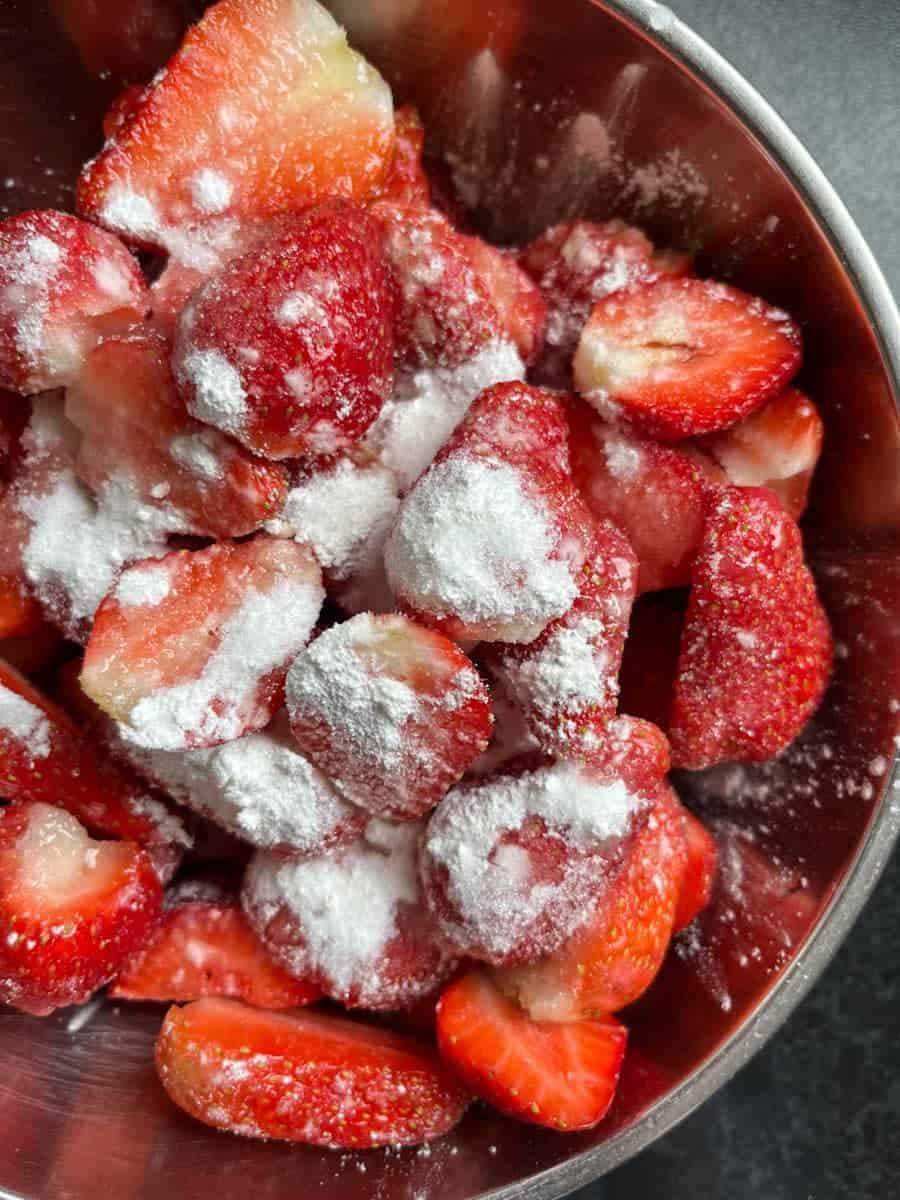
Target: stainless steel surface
544, 110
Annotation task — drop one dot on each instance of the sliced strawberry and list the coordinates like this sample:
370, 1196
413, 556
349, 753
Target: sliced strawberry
289, 348
131, 43
406, 182
305, 1077
204, 947
655, 494
391, 712
71, 909
566, 682
682, 357
756, 646
264, 109
123, 108
352, 921
778, 447
519, 303
563, 1076
192, 650
63, 284
518, 424
132, 420
650, 660
615, 956
512, 864
699, 873
444, 310
46, 757
575, 265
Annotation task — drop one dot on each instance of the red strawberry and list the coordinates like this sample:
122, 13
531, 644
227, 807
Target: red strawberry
563, 1076
352, 921
204, 947
444, 311
655, 494
129, 43
756, 646
192, 649
650, 661
304, 1077
46, 757
71, 909
511, 864
682, 357
406, 182
778, 447
264, 109
289, 348
566, 682
391, 712
63, 284
615, 956
519, 303
699, 873
132, 420
518, 424
123, 108
575, 265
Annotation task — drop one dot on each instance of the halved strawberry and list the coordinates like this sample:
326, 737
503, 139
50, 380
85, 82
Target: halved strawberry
305, 1077
46, 757
406, 182
391, 712
756, 645
71, 909
563, 1076
63, 284
615, 956
699, 872
519, 303
655, 494
133, 421
575, 265
566, 681
777, 447
683, 357
289, 348
204, 947
192, 649
510, 865
650, 660
353, 921
264, 109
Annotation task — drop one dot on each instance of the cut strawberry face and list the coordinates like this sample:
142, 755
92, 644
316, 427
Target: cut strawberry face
575, 265
617, 953
204, 947
353, 921
72, 909
289, 348
47, 758
699, 872
511, 866
63, 285
305, 1077
655, 494
756, 646
518, 301
264, 109
133, 421
777, 447
563, 1076
406, 182
391, 712
683, 357
566, 682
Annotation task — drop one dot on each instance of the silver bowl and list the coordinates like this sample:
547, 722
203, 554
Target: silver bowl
541, 111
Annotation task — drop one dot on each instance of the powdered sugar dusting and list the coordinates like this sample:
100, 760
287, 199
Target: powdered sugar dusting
211, 191
25, 721
218, 395
149, 586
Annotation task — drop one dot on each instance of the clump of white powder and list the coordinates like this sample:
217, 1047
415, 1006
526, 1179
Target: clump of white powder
150, 585
216, 392
211, 191
25, 722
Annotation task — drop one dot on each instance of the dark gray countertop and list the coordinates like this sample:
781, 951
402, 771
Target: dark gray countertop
816, 1115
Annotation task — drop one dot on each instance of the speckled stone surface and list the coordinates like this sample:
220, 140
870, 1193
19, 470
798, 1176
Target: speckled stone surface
816, 1115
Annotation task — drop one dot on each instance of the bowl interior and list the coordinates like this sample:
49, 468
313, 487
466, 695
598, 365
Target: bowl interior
538, 112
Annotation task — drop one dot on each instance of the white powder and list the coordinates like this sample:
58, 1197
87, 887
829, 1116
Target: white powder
344, 513
31, 269
497, 897
568, 672
112, 279
222, 701
218, 396
200, 454
26, 722
623, 456
469, 543
149, 585
211, 191
131, 214
428, 404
